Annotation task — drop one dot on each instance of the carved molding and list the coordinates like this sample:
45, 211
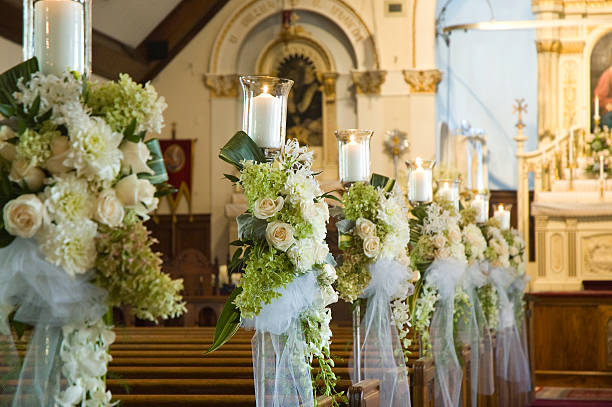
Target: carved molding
572, 47
597, 254
328, 79
222, 85
423, 81
368, 82
548, 46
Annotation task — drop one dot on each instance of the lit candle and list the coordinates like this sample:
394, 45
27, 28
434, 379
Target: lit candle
601, 167
58, 36
503, 216
420, 183
596, 115
354, 163
481, 209
266, 120
446, 192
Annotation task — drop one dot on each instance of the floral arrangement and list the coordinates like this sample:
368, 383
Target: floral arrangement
282, 237
518, 264
374, 226
598, 145
436, 235
497, 252
78, 178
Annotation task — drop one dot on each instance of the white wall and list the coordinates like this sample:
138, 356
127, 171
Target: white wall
487, 71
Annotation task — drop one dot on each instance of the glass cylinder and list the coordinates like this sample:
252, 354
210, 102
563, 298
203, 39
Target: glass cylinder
58, 34
353, 155
481, 204
264, 115
448, 189
502, 215
420, 179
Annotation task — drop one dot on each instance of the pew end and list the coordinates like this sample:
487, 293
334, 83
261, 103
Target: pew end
366, 393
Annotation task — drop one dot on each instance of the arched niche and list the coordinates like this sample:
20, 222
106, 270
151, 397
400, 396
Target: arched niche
597, 54
235, 32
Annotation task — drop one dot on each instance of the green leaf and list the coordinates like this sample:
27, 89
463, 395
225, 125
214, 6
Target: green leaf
164, 189
5, 238
249, 227
344, 241
237, 260
228, 323
381, 181
9, 79
7, 110
329, 195
231, 177
35, 108
156, 163
128, 133
345, 226
241, 148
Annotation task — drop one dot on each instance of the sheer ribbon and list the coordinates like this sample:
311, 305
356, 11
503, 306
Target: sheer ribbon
511, 359
475, 332
47, 298
381, 352
280, 366
445, 275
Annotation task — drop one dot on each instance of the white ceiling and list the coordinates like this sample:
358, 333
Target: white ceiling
130, 21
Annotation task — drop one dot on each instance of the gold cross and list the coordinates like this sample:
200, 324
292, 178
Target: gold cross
520, 107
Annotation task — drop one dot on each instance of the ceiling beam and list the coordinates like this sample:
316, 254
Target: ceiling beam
111, 57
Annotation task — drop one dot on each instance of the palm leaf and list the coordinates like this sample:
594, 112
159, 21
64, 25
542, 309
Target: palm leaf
9, 79
381, 181
241, 148
156, 163
228, 323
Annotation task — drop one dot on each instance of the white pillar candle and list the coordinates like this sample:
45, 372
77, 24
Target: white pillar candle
266, 120
601, 166
421, 183
503, 216
446, 192
354, 163
59, 39
481, 209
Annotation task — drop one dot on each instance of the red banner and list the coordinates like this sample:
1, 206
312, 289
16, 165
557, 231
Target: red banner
179, 164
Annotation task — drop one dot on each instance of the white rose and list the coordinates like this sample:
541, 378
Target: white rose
328, 296
137, 194
60, 149
24, 216
439, 241
25, 174
513, 251
309, 210
109, 210
444, 253
266, 207
365, 228
280, 235
135, 157
454, 234
416, 275
371, 246
8, 151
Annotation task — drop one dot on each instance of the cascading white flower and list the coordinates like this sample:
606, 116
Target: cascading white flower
54, 91
70, 245
94, 147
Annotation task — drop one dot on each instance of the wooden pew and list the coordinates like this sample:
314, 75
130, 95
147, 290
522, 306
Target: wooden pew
366, 393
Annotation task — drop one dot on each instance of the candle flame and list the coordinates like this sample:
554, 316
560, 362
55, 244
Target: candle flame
265, 89
446, 185
478, 198
419, 162
500, 207
352, 139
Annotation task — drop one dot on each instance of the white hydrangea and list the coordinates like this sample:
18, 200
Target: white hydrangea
301, 187
94, 147
473, 237
70, 245
68, 199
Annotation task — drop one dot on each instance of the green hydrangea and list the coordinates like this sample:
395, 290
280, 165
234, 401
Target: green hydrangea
261, 181
36, 147
468, 215
423, 252
353, 276
361, 201
266, 271
131, 272
121, 102
292, 215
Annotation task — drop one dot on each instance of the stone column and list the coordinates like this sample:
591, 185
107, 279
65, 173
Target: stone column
224, 122
423, 85
330, 120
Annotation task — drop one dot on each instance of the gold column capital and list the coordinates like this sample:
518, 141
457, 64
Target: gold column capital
328, 79
423, 81
548, 46
368, 82
222, 85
